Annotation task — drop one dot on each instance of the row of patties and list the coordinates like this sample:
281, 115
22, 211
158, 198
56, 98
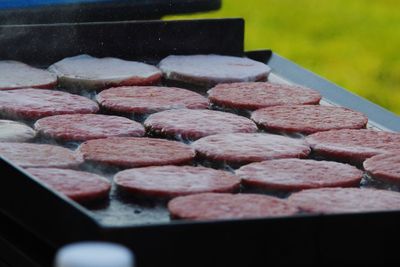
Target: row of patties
182, 114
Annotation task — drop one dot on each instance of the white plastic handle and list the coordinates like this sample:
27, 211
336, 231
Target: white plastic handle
94, 254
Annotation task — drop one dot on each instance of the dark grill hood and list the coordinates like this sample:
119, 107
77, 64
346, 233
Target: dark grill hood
63, 11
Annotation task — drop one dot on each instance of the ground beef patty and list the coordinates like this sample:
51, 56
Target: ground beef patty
34, 104
149, 99
307, 119
172, 181
340, 200
353, 146
40, 155
243, 148
385, 167
194, 124
130, 152
210, 206
208, 70
16, 75
86, 72
77, 185
252, 96
81, 127
298, 174
12, 131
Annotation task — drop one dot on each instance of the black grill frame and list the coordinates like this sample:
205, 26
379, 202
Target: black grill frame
50, 220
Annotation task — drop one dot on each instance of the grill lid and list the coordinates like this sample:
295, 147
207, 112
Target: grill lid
64, 11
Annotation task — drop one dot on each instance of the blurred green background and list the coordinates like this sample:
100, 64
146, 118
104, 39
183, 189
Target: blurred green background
353, 43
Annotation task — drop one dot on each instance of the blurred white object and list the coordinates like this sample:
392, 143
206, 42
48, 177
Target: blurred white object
94, 254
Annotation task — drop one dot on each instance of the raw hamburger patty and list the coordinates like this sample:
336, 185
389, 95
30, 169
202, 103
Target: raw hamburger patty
194, 124
385, 167
243, 148
298, 174
209, 70
149, 99
88, 72
15, 75
209, 206
34, 104
11, 131
81, 127
338, 200
133, 152
77, 185
253, 95
40, 155
353, 145
308, 119
172, 181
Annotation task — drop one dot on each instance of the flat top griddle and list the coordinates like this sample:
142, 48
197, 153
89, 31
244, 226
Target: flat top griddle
145, 226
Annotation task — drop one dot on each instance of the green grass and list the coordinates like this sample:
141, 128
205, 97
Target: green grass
352, 43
